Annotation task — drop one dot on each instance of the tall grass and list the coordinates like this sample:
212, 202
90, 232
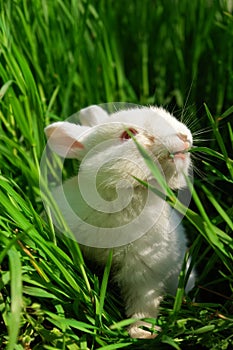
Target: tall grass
59, 56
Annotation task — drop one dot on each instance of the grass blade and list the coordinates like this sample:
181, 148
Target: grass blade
104, 285
16, 298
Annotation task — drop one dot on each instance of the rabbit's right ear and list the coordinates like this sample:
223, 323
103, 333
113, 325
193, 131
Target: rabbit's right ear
93, 115
63, 138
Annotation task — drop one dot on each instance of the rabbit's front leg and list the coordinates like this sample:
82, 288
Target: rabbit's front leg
142, 296
145, 306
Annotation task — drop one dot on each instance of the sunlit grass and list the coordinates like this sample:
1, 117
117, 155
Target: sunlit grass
57, 57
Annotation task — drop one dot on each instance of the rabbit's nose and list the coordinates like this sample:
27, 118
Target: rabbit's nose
184, 138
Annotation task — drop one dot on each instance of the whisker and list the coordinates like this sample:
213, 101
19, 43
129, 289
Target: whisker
205, 178
202, 140
203, 174
193, 123
202, 131
194, 126
200, 173
186, 101
198, 154
189, 118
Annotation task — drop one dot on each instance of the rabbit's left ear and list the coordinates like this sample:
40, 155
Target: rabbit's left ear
63, 138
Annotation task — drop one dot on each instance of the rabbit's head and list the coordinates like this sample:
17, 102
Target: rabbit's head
104, 141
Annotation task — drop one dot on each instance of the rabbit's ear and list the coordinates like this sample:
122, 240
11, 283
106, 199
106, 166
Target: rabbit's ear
63, 138
93, 115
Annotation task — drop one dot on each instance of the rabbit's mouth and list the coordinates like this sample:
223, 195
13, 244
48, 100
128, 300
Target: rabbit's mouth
179, 154
182, 153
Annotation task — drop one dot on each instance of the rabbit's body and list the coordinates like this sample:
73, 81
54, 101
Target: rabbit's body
147, 266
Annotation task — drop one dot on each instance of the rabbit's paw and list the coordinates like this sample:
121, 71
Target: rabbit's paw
136, 332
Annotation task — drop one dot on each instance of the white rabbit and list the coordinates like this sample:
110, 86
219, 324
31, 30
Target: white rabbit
106, 206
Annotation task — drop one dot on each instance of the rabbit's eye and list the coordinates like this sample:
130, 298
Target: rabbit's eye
126, 136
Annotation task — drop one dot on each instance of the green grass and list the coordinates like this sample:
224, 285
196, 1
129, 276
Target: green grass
59, 56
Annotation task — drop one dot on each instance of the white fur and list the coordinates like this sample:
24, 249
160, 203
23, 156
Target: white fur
148, 267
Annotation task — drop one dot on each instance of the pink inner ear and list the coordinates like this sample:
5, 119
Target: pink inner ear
77, 144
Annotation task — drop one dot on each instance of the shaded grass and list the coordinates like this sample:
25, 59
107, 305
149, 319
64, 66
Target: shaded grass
56, 57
